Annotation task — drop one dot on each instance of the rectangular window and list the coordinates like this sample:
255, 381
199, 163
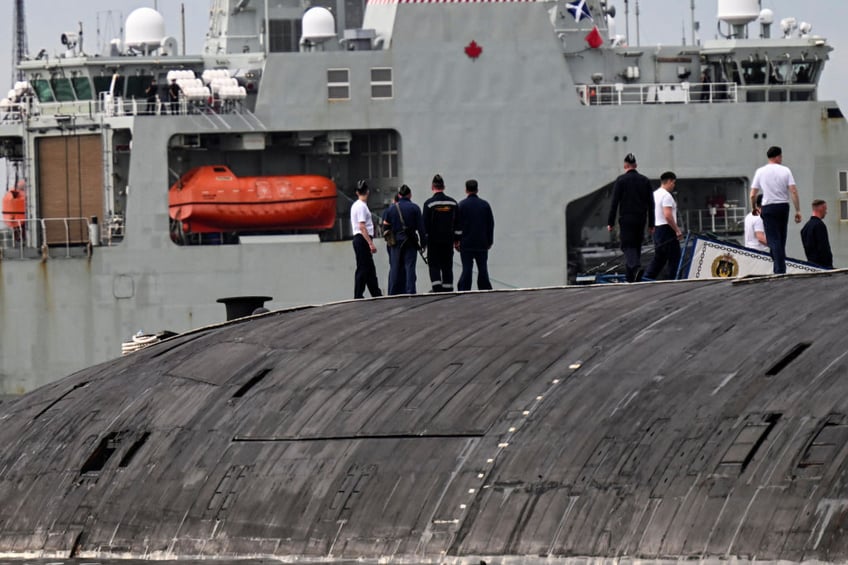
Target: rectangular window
284, 36
62, 89
338, 84
104, 84
843, 181
843, 209
379, 155
42, 90
82, 87
381, 83
136, 85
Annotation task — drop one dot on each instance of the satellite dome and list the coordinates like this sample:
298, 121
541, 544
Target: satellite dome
738, 12
318, 24
145, 29
766, 16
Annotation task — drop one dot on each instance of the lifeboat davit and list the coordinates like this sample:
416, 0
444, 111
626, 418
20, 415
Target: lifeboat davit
14, 208
212, 199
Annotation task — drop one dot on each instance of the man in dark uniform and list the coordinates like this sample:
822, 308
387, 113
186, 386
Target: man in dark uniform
633, 201
474, 238
174, 91
384, 223
815, 239
404, 219
440, 227
150, 94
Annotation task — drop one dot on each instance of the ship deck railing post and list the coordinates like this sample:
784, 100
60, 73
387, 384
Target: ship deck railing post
67, 238
44, 251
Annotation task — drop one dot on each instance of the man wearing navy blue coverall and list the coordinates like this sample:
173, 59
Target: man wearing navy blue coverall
404, 254
440, 211
475, 236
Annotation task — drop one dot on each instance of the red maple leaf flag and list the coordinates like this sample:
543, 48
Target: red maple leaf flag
594, 39
473, 50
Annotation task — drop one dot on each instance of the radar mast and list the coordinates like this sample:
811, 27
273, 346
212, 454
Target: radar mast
20, 36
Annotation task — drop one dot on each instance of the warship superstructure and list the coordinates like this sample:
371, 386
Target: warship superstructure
538, 100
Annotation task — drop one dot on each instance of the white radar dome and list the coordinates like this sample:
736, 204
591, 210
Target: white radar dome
318, 24
738, 12
145, 29
766, 16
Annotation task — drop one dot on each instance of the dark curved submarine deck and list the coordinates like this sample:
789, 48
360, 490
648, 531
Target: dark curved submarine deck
655, 422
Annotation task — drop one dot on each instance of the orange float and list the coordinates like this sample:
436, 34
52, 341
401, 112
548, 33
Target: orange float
14, 208
212, 199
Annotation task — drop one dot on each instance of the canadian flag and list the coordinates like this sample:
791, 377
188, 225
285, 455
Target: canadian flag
594, 39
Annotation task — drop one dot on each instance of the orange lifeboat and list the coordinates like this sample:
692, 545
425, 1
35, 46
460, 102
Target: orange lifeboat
14, 208
212, 199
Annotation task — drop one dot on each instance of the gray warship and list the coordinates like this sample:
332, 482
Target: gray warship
538, 100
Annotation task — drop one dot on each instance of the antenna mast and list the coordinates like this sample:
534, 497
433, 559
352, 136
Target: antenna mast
20, 35
693, 22
638, 42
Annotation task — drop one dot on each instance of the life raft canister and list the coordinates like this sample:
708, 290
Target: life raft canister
14, 208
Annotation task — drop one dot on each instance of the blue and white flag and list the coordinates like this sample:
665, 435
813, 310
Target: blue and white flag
579, 10
713, 259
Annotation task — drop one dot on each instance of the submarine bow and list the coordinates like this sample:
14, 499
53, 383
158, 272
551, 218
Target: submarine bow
659, 422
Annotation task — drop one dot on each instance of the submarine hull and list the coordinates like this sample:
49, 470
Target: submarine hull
690, 420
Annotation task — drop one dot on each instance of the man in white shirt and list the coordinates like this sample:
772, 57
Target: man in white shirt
362, 227
667, 233
778, 187
755, 233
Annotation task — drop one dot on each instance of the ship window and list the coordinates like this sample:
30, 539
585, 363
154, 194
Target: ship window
104, 84
379, 155
843, 181
781, 71
136, 85
803, 72
62, 89
283, 35
381, 83
42, 90
843, 209
754, 72
338, 84
82, 87
388, 156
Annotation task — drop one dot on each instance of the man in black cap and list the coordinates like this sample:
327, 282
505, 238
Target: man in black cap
633, 201
174, 91
440, 229
150, 94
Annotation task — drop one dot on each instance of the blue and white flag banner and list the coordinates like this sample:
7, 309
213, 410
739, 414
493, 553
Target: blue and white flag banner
579, 10
716, 260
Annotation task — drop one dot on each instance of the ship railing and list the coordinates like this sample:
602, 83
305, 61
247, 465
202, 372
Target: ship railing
716, 219
115, 106
619, 94
779, 93
118, 106
50, 236
13, 113
7, 238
